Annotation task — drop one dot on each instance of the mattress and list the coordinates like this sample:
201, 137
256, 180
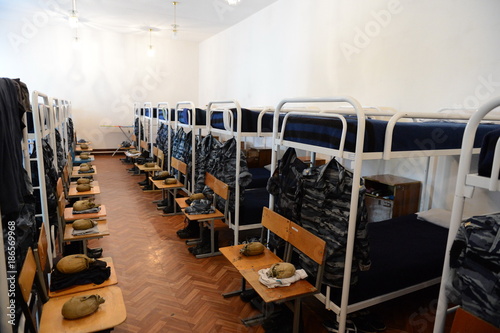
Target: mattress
249, 120
184, 116
260, 176
487, 153
251, 208
404, 251
408, 136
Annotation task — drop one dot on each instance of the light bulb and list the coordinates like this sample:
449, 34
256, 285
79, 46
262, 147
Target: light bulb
233, 2
73, 19
76, 43
151, 51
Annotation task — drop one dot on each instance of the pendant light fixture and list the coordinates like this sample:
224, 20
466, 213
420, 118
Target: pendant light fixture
175, 26
151, 50
73, 16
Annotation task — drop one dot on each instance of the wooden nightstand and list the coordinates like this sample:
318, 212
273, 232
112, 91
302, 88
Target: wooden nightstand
389, 196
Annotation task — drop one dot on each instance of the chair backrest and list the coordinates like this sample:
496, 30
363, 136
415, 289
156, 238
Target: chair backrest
219, 187
275, 223
178, 165
60, 185
160, 158
307, 243
27, 275
42, 248
144, 145
296, 237
61, 205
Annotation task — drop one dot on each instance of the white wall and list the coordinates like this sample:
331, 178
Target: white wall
410, 55
104, 77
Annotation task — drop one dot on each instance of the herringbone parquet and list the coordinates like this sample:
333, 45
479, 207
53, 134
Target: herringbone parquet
166, 289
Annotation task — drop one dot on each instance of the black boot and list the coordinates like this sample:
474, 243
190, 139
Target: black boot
192, 230
204, 246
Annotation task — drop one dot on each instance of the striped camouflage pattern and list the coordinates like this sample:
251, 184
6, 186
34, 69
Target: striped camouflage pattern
475, 263
219, 159
318, 198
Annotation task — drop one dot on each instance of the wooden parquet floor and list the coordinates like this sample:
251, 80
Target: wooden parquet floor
166, 289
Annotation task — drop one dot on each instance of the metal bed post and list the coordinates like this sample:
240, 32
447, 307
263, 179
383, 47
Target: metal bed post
40, 110
192, 124
357, 164
462, 191
238, 159
164, 106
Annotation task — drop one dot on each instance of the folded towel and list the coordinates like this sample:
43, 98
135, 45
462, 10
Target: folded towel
93, 230
88, 211
271, 282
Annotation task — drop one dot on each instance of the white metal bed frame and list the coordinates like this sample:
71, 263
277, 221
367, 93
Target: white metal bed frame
164, 108
466, 182
197, 130
356, 159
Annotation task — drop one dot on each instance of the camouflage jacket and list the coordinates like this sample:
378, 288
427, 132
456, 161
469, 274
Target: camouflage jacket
475, 267
219, 159
162, 138
318, 198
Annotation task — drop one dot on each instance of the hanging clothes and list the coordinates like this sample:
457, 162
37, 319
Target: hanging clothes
61, 158
16, 199
318, 198
11, 157
475, 267
71, 133
325, 211
207, 159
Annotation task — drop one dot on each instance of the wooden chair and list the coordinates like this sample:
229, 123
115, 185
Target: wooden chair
79, 149
48, 317
79, 160
44, 268
221, 190
297, 238
66, 229
465, 322
149, 171
67, 212
171, 190
75, 172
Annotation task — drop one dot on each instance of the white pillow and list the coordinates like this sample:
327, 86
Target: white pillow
268, 167
438, 216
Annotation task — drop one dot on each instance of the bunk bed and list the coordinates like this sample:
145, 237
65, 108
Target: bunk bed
352, 136
228, 119
192, 122
139, 128
486, 177
163, 129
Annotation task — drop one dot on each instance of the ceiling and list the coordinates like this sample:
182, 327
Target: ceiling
197, 19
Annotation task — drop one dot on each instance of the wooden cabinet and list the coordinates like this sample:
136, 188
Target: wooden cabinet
258, 158
389, 196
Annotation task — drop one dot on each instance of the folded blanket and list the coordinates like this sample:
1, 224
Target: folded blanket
271, 282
